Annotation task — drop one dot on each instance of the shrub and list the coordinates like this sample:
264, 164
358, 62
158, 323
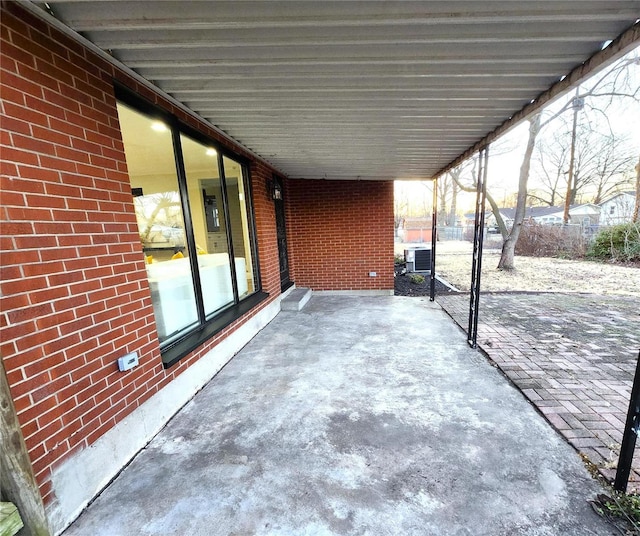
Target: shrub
538, 240
417, 279
619, 243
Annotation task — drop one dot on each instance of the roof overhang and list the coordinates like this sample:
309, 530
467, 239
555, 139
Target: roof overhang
358, 90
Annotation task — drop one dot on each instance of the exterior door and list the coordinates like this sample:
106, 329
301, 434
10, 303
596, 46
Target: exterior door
281, 231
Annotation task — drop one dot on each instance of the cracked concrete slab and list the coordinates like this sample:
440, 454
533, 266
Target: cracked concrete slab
354, 416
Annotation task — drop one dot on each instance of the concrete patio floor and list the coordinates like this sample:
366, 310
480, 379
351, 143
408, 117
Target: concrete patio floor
356, 415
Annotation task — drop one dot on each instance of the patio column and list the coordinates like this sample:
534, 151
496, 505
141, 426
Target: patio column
478, 238
630, 435
434, 230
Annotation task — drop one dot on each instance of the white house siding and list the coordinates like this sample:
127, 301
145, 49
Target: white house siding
617, 210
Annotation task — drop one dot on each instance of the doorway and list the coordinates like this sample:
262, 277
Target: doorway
281, 233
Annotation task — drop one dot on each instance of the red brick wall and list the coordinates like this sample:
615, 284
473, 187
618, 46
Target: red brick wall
74, 290
338, 232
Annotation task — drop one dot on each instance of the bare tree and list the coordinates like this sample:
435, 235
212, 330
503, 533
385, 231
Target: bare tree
614, 83
610, 168
509, 245
602, 162
400, 208
464, 176
548, 169
427, 200
445, 188
507, 257
453, 206
577, 104
166, 202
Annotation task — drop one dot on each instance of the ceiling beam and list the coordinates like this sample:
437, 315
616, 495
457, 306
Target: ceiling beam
310, 63
168, 15
490, 33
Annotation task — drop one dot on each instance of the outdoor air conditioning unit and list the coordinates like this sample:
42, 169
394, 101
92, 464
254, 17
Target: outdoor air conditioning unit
418, 259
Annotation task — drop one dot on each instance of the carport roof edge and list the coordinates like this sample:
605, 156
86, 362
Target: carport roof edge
621, 45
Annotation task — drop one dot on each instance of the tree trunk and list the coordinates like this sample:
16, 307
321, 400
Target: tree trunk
509, 245
552, 201
636, 205
571, 181
454, 204
442, 210
496, 212
598, 198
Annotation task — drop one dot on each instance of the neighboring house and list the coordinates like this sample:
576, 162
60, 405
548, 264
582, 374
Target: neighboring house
586, 214
470, 218
618, 208
417, 229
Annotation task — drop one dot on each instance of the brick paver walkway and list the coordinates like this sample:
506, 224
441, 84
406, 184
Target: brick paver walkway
572, 355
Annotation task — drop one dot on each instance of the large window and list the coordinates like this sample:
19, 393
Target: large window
195, 222
239, 214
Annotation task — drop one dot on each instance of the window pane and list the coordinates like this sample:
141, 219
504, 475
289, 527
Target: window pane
150, 160
240, 230
209, 226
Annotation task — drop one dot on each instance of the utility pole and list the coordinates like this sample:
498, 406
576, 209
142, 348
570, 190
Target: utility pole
578, 104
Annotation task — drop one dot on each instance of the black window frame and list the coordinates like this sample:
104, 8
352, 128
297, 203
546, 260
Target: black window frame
174, 350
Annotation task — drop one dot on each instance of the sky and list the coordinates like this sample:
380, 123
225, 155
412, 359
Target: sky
507, 152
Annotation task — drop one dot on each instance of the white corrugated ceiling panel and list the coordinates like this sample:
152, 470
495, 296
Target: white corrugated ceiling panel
347, 90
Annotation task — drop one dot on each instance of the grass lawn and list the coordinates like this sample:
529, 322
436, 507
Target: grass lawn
453, 263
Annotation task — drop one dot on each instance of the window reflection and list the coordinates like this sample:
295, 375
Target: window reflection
218, 222
209, 224
240, 229
154, 182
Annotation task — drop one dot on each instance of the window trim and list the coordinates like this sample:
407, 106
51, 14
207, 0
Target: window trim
175, 349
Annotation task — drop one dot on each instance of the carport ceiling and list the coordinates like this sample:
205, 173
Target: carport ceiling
348, 90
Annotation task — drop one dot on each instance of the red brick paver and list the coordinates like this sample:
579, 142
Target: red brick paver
572, 355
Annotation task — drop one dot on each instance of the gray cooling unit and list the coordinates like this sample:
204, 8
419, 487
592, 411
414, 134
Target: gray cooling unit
418, 259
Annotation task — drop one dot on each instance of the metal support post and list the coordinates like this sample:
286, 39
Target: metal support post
630, 434
434, 237
478, 238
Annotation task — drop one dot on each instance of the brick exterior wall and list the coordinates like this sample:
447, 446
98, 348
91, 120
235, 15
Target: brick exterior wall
75, 295
338, 232
74, 291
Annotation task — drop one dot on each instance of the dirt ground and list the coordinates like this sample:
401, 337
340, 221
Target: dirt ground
453, 263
